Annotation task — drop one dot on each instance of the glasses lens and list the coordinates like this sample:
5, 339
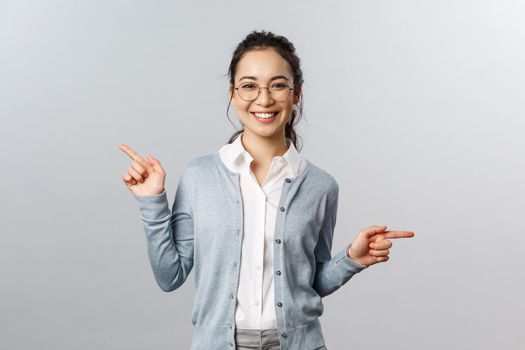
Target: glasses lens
279, 91
248, 91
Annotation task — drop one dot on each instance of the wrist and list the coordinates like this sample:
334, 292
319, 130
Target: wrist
352, 257
348, 252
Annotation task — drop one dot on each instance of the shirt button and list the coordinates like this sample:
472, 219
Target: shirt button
288, 180
278, 273
231, 296
284, 335
234, 264
281, 209
278, 241
231, 344
279, 304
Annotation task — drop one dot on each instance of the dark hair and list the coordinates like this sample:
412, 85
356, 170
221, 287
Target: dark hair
261, 40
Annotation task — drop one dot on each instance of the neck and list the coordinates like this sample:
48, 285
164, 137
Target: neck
263, 149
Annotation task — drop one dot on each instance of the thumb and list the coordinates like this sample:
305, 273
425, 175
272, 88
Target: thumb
373, 230
153, 162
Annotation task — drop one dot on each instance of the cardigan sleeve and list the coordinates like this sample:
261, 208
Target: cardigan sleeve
332, 272
169, 234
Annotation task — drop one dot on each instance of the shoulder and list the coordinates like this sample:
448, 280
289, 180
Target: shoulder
201, 162
197, 166
322, 179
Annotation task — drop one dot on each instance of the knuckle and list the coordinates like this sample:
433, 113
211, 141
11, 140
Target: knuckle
138, 166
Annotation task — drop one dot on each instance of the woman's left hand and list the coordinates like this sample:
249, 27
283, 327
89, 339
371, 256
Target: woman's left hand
371, 245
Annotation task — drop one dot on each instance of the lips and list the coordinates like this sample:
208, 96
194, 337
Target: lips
266, 120
265, 113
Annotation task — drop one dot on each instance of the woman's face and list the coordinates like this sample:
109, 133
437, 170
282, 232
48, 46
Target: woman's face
262, 67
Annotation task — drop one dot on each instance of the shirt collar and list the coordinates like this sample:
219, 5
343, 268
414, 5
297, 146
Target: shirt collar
236, 153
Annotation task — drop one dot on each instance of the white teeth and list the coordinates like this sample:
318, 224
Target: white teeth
265, 115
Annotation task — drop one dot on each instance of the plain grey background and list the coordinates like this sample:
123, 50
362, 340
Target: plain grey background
416, 107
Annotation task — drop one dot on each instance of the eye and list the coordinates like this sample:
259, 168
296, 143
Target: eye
279, 86
248, 86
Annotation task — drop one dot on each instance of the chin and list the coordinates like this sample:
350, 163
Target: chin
265, 131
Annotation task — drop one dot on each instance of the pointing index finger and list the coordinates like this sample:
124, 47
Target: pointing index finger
399, 234
134, 155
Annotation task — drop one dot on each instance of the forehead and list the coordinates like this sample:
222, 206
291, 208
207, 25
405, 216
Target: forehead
263, 64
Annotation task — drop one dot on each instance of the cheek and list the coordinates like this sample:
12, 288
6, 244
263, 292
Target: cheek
241, 105
242, 110
288, 108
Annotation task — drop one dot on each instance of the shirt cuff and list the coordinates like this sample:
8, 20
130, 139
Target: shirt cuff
348, 262
153, 207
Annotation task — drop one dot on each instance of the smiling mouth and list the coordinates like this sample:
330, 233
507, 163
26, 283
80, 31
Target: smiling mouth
264, 116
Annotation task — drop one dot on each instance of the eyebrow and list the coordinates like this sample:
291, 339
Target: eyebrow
273, 78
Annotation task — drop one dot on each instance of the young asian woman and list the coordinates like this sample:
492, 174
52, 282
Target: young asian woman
255, 218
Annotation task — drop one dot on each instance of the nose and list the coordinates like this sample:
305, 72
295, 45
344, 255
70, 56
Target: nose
264, 98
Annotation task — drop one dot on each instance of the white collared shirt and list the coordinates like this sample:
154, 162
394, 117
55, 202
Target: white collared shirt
255, 308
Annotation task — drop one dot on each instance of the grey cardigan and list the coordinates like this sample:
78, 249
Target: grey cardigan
205, 229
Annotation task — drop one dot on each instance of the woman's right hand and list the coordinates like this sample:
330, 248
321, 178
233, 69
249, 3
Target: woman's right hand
144, 177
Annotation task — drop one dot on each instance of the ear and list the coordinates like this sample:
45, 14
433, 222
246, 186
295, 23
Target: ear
297, 94
231, 94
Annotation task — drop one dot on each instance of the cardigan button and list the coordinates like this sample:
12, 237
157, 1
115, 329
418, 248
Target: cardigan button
288, 180
279, 304
282, 209
278, 273
284, 335
278, 241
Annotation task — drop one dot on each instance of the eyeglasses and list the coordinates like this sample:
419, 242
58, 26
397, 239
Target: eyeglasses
250, 91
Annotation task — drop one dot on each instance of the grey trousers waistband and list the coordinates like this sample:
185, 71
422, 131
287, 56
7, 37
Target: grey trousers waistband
265, 339
256, 338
